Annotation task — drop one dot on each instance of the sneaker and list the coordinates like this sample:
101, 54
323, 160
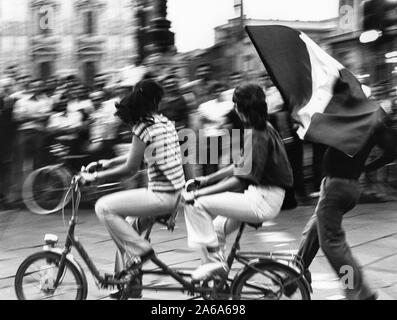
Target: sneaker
132, 291
215, 266
209, 270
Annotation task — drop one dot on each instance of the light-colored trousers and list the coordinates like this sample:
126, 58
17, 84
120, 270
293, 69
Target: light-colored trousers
255, 206
113, 209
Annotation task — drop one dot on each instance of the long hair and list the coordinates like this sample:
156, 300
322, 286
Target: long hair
141, 104
250, 100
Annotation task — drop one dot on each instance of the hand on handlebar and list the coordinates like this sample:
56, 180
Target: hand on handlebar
97, 166
196, 184
87, 177
189, 197
201, 182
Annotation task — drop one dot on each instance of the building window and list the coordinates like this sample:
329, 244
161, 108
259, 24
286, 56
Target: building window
89, 72
89, 23
45, 70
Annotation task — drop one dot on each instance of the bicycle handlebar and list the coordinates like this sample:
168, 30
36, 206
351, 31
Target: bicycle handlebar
189, 184
77, 179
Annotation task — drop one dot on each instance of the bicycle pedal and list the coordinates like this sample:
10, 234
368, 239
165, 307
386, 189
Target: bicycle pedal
105, 284
109, 276
197, 282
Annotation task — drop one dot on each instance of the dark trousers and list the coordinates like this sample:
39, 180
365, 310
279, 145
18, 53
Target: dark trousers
5, 168
318, 154
338, 196
295, 157
28, 155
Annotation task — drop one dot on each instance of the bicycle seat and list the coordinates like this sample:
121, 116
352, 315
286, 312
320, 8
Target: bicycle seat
170, 220
255, 226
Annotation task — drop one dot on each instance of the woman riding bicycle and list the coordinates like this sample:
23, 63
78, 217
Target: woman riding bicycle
251, 191
156, 142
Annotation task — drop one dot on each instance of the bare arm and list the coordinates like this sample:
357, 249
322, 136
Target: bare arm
233, 184
126, 165
116, 161
218, 176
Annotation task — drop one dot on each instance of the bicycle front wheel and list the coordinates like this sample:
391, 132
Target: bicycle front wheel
35, 279
44, 190
268, 280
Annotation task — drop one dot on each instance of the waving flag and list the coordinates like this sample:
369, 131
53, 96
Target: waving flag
321, 94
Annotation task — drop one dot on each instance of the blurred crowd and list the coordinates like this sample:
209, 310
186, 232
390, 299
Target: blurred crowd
38, 119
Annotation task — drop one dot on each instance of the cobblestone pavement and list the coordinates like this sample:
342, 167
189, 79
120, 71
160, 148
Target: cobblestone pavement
371, 231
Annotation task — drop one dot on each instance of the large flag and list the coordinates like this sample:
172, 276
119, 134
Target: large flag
321, 94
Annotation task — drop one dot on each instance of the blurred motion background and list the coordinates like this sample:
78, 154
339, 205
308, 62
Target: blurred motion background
64, 64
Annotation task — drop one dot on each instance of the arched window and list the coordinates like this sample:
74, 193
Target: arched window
89, 23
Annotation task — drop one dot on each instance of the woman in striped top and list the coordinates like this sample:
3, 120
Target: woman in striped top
156, 142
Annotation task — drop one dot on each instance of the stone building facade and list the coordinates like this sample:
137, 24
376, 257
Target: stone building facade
53, 37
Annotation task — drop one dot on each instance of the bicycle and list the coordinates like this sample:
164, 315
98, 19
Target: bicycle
55, 274
44, 190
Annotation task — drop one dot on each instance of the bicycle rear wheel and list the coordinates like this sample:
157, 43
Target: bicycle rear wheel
267, 280
36, 276
44, 190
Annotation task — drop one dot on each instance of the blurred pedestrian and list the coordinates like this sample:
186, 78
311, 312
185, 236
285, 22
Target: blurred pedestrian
177, 109
31, 114
103, 127
212, 116
235, 80
7, 139
79, 101
340, 193
66, 124
204, 88
174, 105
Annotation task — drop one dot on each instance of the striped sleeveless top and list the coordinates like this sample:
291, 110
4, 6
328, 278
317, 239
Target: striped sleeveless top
163, 154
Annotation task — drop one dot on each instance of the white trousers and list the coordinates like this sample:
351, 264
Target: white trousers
255, 206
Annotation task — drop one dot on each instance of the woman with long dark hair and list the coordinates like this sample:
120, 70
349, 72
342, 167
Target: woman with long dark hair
252, 190
156, 142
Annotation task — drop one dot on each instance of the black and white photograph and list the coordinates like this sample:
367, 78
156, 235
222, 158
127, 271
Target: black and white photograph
212, 151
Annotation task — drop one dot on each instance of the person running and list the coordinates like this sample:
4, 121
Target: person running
155, 141
340, 193
250, 191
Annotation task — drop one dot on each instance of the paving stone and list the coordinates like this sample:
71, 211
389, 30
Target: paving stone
371, 231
